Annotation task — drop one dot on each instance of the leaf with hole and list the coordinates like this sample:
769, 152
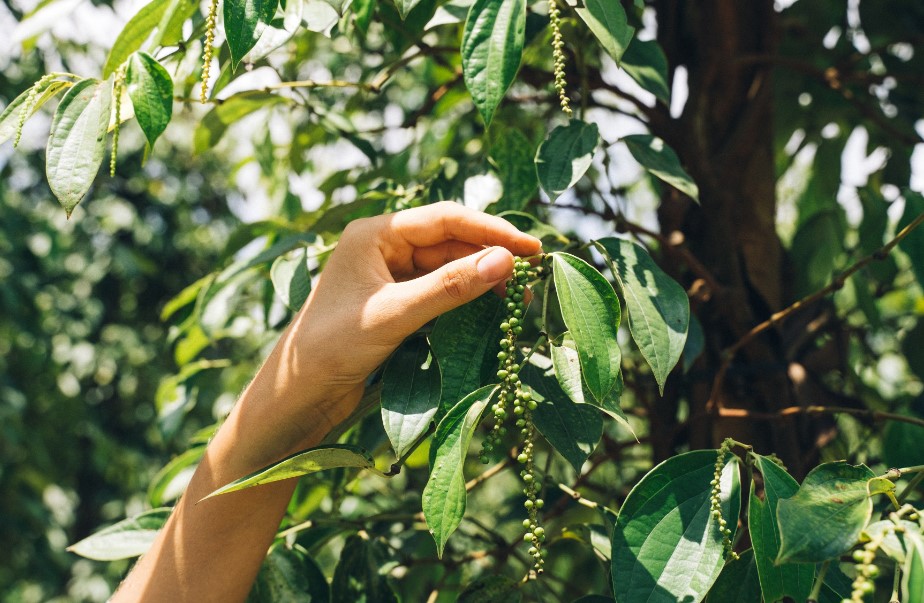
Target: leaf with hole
492, 47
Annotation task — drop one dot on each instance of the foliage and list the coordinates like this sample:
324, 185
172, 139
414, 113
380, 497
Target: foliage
764, 295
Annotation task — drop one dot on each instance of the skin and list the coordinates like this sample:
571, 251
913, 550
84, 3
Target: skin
389, 276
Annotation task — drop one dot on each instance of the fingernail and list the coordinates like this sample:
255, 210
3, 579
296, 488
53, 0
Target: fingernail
495, 265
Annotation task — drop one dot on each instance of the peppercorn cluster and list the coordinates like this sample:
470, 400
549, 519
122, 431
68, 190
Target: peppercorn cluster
513, 398
715, 498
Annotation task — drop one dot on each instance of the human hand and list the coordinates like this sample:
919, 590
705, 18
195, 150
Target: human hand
389, 276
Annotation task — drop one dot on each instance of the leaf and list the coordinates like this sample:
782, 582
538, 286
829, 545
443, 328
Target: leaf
572, 429
170, 29
661, 160
513, 155
836, 587
128, 538
151, 91
78, 141
291, 278
405, 7
492, 47
776, 581
244, 24
591, 312
646, 63
825, 517
738, 582
341, 5
666, 545
913, 570
465, 342
289, 575
133, 35
215, 123
302, 463
9, 118
563, 157
913, 244
171, 481
658, 308
410, 394
444, 495
567, 366
696, 343
607, 20
358, 576
492, 588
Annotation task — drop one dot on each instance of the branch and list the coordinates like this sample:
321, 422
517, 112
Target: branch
783, 413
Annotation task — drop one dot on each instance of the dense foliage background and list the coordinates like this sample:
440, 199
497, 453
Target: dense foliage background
127, 331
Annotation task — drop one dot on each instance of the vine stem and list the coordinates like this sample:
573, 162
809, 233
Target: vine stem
819, 582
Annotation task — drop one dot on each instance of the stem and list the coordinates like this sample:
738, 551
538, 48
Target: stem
539, 343
896, 581
396, 466
819, 581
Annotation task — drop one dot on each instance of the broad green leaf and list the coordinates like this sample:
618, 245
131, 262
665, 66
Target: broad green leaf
128, 538
591, 312
572, 429
567, 366
151, 90
301, 463
666, 545
318, 16
837, 586
513, 154
289, 575
444, 495
465, 342
738, 582
405, 7
661, 160
646, 63
410, 394
358, 577
901, 441
913, 570
244, 24
563, 157
658, 308
215, 123
171, 481
133, 35
9, 119
825, 517
892, 543
341, 5
77, 141
913, 244
492, 47
607, 20
170, 29
776, 581
695, 344
491, 588
291, 278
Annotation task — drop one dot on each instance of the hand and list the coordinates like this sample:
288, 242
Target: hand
389, 276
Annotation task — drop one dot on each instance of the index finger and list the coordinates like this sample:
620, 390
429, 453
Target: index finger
448, 221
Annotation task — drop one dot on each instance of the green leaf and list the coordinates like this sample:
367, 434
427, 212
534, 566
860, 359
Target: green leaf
444, 495
128, 538
738, 582
245, 21
492, 588
661, 160
492, 47
836, 587
341, 5
405, 7
289, 575
696, 343
133, 35
825, 517
9, 119
607, 20
646, 63
78, 141
776, 581
170, 29
913, 244
151, 91
572, 429
215, 123
301, 463
666, 545
563, 157
567, 366
410, 394
465, 342
590, 309
658, 308
171, 481
291, 278
913, 570
513, 154
358, 577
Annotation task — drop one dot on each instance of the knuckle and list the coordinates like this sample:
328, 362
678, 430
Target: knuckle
454, 284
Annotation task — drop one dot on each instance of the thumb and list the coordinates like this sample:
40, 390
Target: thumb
456, 283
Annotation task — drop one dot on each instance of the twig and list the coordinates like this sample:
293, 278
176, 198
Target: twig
777, 317
489, 473
876, 415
